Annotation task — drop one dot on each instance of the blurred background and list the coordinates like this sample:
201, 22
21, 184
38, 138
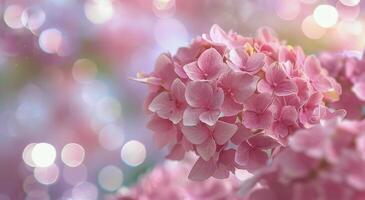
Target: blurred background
71, 122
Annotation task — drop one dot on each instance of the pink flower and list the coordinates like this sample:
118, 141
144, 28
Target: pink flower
276, 82
208, 67
237, 87
206, 138
170, 105
241, 61
285, 122
256, 114
205, 103
348, 69
320, 80
218, 166
163, 75
312, 111
306, 168
164, 131
235, 100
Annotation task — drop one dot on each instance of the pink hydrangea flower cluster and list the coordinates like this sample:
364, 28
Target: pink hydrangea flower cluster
323, 162
232, 99
169, 181
348, 69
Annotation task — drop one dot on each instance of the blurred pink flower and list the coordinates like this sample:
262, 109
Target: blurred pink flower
169, 181
349, 70
233, 99
306, 169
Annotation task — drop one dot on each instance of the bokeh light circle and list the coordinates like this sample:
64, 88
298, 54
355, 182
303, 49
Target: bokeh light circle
27, 155
311, 29
46, 175
350, 2
12, 16
84, 70
351, 27
98, 11
348, 13
325, 16
110, 178
33, 18
73, 154
43, 155
50, 40
38, 195
133, 153
287, 9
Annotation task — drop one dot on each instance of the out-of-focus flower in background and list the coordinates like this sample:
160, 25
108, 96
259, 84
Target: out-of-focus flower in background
71, 124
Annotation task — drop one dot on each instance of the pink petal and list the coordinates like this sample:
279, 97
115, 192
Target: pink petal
178, 90
258, 102
230, 107
162, 105
164, 131
177, 116
255, 62
207, 149
244, 86
254, 120
196, 134
250, 157
267, 35
164, 70
241, 135
264, 87
202, 170
238, 57
191, 116
193, 71
275, 74
280, 130
158, 124
227, 158
223, 132
147, 79
312, 67
359, 90
211, 64
221, 172
218, 35
311, 142
217, 100
242, 156
263, 142
286, 88
289, 115
176, 153
295, 165
209, 117
199, 94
